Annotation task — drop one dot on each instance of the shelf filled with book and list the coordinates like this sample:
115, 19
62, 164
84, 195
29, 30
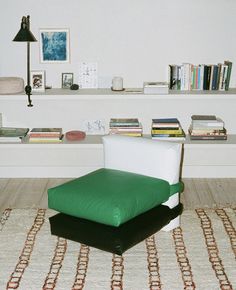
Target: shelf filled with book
69, 110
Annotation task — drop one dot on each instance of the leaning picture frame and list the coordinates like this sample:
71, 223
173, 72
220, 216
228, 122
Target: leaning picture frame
66, 80
37, 81
54, 45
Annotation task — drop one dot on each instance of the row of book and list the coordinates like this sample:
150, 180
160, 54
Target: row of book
200, 77
202, 127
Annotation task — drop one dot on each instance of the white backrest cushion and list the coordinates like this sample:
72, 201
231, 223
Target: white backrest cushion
154, 158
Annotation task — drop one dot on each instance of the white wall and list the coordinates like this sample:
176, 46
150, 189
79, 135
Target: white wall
135, 39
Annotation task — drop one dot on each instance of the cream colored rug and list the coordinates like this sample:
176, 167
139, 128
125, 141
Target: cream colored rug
199, 255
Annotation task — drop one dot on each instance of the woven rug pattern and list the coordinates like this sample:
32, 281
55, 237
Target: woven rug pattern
201, 254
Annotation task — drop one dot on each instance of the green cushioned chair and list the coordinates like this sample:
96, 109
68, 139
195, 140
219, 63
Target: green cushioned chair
110, 196
139, 175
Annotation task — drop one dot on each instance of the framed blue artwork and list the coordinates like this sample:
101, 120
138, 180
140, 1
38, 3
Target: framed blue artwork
54, 45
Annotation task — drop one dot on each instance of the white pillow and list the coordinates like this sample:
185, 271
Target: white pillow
154, 158
11, 85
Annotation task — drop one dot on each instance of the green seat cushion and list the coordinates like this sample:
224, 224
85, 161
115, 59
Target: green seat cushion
109, 196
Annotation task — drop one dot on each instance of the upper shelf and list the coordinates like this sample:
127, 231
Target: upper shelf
135, 93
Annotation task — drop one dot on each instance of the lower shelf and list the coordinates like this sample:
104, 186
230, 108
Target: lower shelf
201, 159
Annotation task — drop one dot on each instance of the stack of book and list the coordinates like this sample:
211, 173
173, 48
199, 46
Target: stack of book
126, 126
167, 129
45, 135
207, 127
12, 134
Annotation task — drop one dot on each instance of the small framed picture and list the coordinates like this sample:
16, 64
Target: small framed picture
37, 80
54, 45
66, 80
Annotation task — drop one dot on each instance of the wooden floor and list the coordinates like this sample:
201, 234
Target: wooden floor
204, 193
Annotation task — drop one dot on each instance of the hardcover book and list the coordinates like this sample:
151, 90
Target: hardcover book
165, 120
124, 122
203, 117
46, 130
13, 132
227, 80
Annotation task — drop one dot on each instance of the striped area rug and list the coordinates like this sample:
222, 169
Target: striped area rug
199, 255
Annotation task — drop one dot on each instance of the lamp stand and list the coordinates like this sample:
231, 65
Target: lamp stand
28, 88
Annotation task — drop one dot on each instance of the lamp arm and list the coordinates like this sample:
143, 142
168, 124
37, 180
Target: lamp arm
28, 88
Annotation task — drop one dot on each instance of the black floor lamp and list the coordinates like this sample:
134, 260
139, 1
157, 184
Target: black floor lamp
25, 35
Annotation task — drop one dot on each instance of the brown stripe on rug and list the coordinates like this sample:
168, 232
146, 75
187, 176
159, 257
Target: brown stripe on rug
182, 259
229, 228
82, 266
153, 264
117, 272
56, 264
213, 252
4, 217
24, 259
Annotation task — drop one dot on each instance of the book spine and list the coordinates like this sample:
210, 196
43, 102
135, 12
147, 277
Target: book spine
38, 135
192, 137
159, 131
168, 135
227, 79
214, 77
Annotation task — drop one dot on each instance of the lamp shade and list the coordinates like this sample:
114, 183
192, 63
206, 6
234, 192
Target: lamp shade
24, 34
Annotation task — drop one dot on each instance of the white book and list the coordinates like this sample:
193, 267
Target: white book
201, 68
186, 76
176, 139
10, 140
223, 74
155, 88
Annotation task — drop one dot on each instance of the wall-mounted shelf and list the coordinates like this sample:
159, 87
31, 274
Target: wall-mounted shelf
70, 109
135, 93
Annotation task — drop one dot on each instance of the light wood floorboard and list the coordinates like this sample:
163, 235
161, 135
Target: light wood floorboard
198, 192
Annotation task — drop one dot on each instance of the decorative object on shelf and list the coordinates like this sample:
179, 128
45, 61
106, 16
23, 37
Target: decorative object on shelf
74, 87
117, 84
37, 79
88, 75
75, 135
54, 45
25, 35
66, 80
155, 88
11, 85
94, 126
